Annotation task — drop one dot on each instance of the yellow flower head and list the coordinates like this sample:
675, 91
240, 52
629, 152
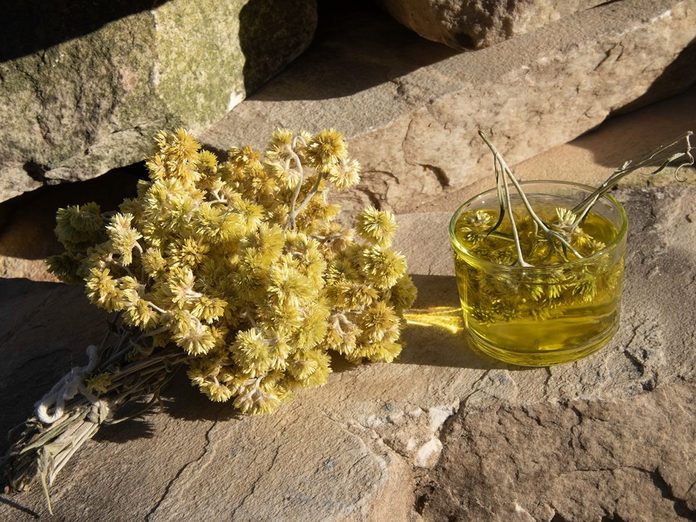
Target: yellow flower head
123, 236
216, 391
345, 175
192, 335
403, 294
243, 157
376, 226
326, 149
182, 146
383, 266
153, 261
103, 291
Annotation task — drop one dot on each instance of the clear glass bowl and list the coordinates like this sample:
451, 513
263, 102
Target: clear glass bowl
542, 315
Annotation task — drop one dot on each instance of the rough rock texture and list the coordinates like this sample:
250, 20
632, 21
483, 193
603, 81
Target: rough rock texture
411, 108
576, 460
472, 24
593, 156
609, 436
84, 85
439, 432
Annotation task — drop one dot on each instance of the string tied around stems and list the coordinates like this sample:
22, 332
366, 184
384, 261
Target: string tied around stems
51, 407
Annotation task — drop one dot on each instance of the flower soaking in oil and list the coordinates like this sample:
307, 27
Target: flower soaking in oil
563, 307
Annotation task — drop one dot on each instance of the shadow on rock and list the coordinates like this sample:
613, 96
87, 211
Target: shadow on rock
435, 333
183, 401
44, 331
4, 499
633, 136
135, 428
27, 221
179, 400
669, 83
356, 46
34, 25
267, 52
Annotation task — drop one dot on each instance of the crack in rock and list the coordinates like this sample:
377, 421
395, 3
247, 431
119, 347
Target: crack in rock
439, 173
256, 481
181, 470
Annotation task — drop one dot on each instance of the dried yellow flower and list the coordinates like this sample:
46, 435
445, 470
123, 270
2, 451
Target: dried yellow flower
376, 226
244, 266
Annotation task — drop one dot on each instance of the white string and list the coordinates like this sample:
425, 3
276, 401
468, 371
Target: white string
67, 388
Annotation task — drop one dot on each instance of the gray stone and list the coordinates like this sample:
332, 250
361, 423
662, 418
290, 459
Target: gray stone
472, 24
411, 109
84, 86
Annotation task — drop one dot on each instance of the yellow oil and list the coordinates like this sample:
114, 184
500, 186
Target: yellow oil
560, 310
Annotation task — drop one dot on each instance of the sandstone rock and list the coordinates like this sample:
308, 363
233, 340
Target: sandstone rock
83, 86
366, 446
578, 460
590, 158
32, 269
472, 24
411, 109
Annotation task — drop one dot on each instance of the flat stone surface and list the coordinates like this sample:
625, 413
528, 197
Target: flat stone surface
405, 440
472, 24
425, 437
85, 85
411, 108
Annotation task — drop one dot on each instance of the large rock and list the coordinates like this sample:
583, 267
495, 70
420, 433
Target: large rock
84, 85
472, 24
591, 158
578, 460
411, 108
441, 431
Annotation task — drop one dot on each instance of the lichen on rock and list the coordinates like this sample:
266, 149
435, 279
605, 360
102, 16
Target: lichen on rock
81, 88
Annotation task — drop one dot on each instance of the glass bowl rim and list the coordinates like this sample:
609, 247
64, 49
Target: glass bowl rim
460, 249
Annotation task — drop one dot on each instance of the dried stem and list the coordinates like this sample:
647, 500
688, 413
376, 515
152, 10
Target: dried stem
503, 173
296, 192
518, 246
583, 208
667, 155
295, 209
310, 194
41, 450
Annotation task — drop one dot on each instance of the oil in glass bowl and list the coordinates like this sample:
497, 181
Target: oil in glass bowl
562, 308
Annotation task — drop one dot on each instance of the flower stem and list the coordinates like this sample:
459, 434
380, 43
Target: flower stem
40, 450
582, 209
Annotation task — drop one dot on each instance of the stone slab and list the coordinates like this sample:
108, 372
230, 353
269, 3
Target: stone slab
85, 85
378, 440
578, 460
411, 108
399, 442
591, 158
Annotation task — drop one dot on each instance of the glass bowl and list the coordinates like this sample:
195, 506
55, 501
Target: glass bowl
542, 315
